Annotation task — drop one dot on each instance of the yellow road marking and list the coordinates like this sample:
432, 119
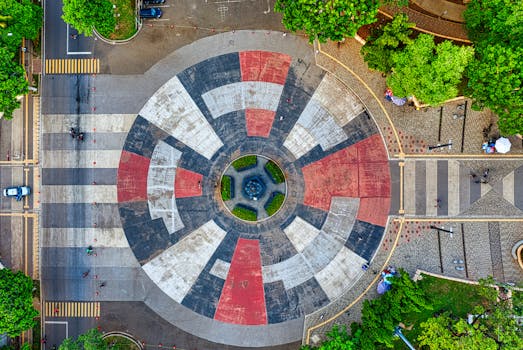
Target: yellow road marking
36, 249
72, 66
72, 309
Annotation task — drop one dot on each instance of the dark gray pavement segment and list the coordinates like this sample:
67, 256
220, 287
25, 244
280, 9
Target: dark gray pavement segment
91, 141
79, 176
79, 215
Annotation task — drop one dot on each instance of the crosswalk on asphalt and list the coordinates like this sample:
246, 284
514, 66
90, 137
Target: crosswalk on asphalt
72, 66
72, 309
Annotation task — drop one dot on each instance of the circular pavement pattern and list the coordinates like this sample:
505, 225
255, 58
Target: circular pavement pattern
250, 276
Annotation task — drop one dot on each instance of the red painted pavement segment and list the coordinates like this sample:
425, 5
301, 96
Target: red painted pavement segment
374, 210
259, 122
132, 177
271, 67
243, 299
359, 171
187, 183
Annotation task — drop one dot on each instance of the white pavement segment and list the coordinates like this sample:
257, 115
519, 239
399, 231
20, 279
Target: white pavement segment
160, 186
176, 269
341, 273
299, 141
81, 159
453, 187
62, 123
300, 233
409, 188
78, 194
341, 217
292, 272
83, 237
173, 110
220, 269
243, 95
341, 103
508, 187
431, 182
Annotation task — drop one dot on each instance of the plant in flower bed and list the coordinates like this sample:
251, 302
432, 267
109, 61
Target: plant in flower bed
227, 187
274, 172
274, 203
245, 213
244, 163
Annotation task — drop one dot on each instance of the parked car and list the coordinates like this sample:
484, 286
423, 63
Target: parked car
17, 191
153, 2
152, 12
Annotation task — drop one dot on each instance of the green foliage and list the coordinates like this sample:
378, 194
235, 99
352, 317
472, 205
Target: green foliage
428, 71
495, 80
399, 3
337, 338
226, 187
12, 83
21, 19
327, 19
85, 15
274, 203
125, 25
91, 340
274, 172
380, 316
496, 73
245, 162
17, 313
381, 45
245, 213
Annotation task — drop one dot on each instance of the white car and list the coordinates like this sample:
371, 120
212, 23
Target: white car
17, 191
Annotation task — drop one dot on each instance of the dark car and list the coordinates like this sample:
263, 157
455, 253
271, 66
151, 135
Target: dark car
153, 12
153, 2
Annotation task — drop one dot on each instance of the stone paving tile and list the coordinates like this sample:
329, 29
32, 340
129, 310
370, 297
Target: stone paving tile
511, 232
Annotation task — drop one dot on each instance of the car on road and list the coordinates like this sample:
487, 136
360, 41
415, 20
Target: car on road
153, 2
152, 12
17, 191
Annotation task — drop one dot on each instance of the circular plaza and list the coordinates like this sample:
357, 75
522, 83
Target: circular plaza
252, 187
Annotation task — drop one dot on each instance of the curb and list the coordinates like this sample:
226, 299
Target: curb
118, 42
124, 335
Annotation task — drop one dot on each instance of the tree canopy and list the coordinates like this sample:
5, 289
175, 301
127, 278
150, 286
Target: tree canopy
428, 71
12, 83
386, 40
496, 72
91, 340
85, 15
337, 338
327, 19
16, 303
18, 19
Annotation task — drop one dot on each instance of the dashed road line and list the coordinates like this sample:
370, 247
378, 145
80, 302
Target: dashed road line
72, 309
72, 66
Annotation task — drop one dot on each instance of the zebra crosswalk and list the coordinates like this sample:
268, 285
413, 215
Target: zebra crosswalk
72, 66
72, 309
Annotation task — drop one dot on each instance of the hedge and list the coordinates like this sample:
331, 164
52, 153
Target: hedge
227, 187
274, 172
274, 203
245, 213
246, 162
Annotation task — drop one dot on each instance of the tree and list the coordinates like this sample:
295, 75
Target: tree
496, 73
12, 83
16, 303
380, 316
85, 15
327, 19
337, 338
91, 340
19, 20
381, 45
428, 71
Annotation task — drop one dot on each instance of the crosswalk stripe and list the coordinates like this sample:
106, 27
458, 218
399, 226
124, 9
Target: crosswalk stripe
72, 309
72, 66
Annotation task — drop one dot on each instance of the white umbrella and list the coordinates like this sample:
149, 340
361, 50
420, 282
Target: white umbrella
502, 145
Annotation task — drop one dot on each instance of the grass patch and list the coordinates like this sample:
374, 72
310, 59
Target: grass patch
274, 172
120, 343
458, 298
227, 187
245, 213
274, 203
244, 163
126, 21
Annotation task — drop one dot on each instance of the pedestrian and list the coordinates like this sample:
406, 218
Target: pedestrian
102, 284
89, 250
484, 179
74, 36
474, 177
81, 136
438, 203
73, 133
365, 267
85, 274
